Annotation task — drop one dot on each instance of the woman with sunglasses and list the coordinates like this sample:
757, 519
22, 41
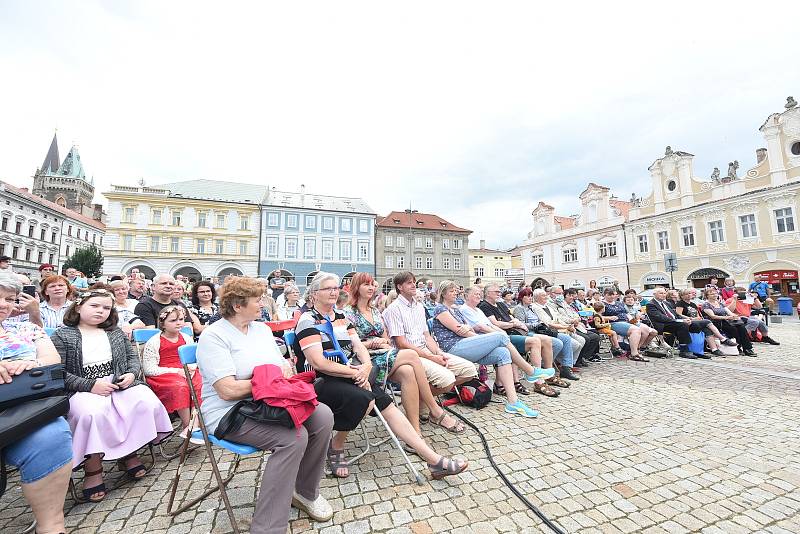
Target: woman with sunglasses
112, 412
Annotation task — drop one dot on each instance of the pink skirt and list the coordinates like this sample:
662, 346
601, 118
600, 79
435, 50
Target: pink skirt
116, 425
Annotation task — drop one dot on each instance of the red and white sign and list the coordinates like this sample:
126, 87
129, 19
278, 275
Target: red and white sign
774, 277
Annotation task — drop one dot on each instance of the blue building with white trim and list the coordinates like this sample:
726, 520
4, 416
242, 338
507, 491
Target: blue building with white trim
302, 234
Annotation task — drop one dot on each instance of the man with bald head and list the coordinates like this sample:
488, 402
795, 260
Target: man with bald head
149, 308
665, 320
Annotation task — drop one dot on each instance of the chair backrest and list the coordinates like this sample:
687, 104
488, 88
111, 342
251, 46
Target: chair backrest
188, 353
49, 331
141, 335
188, 331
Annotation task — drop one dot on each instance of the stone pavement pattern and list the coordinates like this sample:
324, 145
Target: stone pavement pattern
666, 446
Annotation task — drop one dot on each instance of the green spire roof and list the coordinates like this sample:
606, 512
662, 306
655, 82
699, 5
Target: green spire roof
71, 166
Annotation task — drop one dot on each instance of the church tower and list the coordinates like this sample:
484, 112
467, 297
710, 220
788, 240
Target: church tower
65, 183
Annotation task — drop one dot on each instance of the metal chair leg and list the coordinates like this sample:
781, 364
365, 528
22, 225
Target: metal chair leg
414, 473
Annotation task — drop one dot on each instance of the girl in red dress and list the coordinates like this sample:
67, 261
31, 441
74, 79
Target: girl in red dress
162, 366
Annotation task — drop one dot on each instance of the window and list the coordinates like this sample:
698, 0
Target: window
69, 230
30, 230
201, 246
537, 260
401, 262
18, 228
272, 247
429, 262
387, 240
291, 220
39, 257
418, 262
784, 220
54, 236
428, 242
607, 250
176, 218
748, 224
4, 225
363, 251
101, 241
457, 264
310, 248
219, 246
174, 244
388, 262
663, 240
457, 244
344, 250
291, 247
400, 242
477, 272
717, 233
795, 148
346, 225
445, 244
220, 217
127, 242
363, 226
50, 258
310, 222
128, 214
688, 236
327, 223
244, 221
570, 255
155, 216
327, 249
643, 247
243, 248
15, 251
155, 243
499, 273
446, 262
417, 242
201, 219
3, 250
27, 254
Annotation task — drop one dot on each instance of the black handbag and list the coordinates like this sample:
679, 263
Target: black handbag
258, 411
543, 329
32, 384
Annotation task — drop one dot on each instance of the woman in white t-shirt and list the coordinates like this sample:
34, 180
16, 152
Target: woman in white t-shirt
128, 321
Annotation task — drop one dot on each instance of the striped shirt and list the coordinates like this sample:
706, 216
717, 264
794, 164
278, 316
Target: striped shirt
52, 318
404, 318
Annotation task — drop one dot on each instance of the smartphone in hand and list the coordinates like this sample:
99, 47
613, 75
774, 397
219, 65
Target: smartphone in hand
29, 290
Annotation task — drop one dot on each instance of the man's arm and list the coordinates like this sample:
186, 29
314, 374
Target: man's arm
146, 314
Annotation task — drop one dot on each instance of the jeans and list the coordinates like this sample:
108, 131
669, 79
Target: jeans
563, 353
42, 452
483, 349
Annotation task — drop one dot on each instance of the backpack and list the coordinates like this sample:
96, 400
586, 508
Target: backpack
474, 394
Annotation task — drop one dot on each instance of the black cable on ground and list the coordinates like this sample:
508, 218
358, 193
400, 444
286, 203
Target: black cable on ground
507, 482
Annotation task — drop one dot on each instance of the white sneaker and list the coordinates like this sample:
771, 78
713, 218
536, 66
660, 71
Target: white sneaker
319, 509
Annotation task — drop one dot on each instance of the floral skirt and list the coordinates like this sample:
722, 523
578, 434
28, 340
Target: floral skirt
384, 363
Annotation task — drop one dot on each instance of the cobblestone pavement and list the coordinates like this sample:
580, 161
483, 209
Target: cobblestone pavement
666, 446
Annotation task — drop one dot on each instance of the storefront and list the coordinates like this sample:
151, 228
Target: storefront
783, 282
701, 277
654, 280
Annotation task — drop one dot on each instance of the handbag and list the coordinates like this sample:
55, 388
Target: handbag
35, 383
698, 343
543, 329
258, 411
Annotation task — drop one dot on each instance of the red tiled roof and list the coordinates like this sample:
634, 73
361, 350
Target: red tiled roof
622, 206
543, 205
427, 221
565, 222
52, 205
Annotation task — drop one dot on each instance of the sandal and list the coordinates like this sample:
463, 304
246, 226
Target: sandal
637, 358
337, 463
546, 390
522, 390
446, 467
136, 472
497, 389
100, 488
558, 381
457, 428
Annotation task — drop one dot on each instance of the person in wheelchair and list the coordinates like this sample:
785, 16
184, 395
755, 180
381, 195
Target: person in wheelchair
348, 385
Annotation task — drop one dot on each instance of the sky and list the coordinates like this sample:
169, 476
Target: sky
475, 111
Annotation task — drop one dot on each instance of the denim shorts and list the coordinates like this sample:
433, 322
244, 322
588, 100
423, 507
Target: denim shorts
621, 328
39, 454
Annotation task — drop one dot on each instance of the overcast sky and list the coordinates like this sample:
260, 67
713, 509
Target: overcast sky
475, 111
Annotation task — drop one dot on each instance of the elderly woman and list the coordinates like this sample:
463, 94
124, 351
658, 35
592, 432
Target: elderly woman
616, 313
401, 366
687, 309
227, 353
746, 311
728, 322
289, 304
128, 320
44, 457
351, 389
56, 291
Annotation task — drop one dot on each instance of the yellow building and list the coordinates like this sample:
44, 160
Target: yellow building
742, 225
490, 265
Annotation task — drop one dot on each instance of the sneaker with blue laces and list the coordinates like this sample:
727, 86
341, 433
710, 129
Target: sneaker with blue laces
518, 408
539, 373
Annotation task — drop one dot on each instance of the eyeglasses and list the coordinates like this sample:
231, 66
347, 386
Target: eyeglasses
328, 289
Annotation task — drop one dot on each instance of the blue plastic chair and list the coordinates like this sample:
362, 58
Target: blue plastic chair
49, 331
142, 335
188, 331
188, 356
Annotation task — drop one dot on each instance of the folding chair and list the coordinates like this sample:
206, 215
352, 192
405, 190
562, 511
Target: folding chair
49, 331
188, 331
188, 356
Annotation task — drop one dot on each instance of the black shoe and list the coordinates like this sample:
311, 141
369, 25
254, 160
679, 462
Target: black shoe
730, 342
616, 352
595, 358
749, 352
581, 363
688, 355
718, 353
703, 356
767, 339
567, 373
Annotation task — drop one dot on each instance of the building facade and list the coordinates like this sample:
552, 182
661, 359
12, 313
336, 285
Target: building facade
579, 251
742, 226
425, 244
198, 228
491, 266
302, 234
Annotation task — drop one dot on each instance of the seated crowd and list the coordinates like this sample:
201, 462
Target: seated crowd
359, 344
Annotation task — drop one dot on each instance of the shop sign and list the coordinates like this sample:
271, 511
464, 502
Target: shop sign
656, 279
774, 277
577, 284
605, 281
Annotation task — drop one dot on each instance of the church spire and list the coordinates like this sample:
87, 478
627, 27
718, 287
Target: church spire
52, 161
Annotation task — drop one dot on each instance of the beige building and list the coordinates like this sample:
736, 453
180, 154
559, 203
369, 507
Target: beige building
579, 251
423, 243
491, 266
742, 225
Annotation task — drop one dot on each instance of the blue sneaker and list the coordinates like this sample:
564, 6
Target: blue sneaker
518, 408
539, 373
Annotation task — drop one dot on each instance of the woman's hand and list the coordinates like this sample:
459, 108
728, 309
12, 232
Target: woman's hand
288, 371
12, 368
362, 374
103, 388
125, 380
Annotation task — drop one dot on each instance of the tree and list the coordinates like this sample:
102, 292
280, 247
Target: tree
88, 260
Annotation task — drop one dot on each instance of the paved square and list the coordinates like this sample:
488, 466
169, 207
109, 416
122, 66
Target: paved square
666, 446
